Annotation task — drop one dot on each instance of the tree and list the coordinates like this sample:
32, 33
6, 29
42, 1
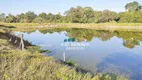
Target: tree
58, 18
10, 18
2, 17
64, 19
105, 16
42, 17
50, 17
20, 18
29, 17
38, 20
138, 16
133, 6
80, 15
75, 15
98, 16
88, 15
109, 16
130, 17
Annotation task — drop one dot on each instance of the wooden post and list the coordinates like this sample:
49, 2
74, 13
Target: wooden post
64, 57
21, 43
15, 41
10, 39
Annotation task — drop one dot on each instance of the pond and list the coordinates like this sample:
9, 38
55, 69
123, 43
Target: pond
116, 52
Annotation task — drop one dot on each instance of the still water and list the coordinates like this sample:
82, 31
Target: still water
116, 52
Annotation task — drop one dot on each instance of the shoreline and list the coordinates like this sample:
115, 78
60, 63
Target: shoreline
38, 60
29, 44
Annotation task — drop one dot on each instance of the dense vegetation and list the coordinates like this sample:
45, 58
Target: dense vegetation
133, 14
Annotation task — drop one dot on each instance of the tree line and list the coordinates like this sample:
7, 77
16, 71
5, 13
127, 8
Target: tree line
133, 14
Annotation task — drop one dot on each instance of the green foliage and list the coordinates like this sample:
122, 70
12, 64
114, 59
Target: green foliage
20, 18
133, 6
105, 16
2, 17
70, 63
45, 51
133, 14
38, 20
29, 17
75, 14
43, 16
130, 17
10, 18
80, 15
50, 18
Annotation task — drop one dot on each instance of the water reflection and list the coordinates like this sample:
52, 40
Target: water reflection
130, 39
131, 43
128, 64
116, 52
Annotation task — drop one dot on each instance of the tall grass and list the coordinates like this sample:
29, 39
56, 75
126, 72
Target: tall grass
17, 65
99, 26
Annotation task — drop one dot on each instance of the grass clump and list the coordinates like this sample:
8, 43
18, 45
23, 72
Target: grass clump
37, 50
45, 51
34, 49
70, 63
4, 46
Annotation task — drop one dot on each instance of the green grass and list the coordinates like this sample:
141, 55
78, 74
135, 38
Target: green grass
47, 51
17, 65
4, 46
34, 49
70, 63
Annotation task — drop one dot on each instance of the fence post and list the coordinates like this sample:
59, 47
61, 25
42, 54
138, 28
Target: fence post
10, 39
22, 42
64, 57
15, 41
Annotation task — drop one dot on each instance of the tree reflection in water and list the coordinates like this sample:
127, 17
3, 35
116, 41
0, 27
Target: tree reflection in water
130, 39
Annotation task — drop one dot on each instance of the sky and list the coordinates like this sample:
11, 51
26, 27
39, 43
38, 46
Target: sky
55, 6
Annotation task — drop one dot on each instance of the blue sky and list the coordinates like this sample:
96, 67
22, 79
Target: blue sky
55, 6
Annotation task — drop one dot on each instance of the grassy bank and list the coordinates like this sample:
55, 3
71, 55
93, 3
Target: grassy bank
101, 26
23, 65
17, 65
